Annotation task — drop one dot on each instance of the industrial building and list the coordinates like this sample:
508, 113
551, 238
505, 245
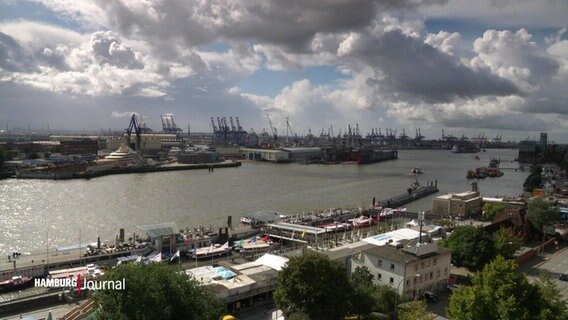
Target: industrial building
463, 205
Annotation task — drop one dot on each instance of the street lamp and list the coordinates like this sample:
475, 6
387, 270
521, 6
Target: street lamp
417, 275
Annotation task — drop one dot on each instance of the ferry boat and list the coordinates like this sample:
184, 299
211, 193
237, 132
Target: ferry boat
16, 283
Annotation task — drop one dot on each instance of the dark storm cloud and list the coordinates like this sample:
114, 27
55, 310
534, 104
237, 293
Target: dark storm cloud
13, 57
288, 24
514, 122
415, 68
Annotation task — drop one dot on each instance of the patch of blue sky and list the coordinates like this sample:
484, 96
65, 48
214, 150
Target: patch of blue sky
270, 83
31, 11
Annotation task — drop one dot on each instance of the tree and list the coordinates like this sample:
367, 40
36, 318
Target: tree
362, 300
541, 213
314, 285
490, 210
385, 299
552, 305
506, 242
156, 291
472, 247
3, 157
413, 310
501, 291
534, 180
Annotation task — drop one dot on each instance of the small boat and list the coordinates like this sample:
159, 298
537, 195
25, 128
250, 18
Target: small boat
476, 157
333, 227
215, 250
362, 221
254, 245
471, 174
416, 170
16, 283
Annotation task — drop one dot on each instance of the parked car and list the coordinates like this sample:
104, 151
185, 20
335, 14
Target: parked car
563, 277
453, 287
430, 296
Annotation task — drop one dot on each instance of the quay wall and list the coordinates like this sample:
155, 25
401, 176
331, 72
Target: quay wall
85, 175
15, 307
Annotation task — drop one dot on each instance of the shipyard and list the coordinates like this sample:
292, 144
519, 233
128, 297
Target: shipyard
246, 160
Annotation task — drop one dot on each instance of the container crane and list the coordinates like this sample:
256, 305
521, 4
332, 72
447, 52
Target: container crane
272, 129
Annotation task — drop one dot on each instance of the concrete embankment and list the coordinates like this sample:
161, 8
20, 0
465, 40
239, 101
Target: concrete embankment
66, 175
170, 167
31, 303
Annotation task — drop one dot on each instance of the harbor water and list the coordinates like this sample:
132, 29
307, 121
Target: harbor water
36, 214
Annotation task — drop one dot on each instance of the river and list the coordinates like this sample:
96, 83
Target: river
39, 213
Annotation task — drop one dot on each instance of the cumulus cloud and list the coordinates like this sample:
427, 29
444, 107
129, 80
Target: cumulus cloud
125, 114
392, 67
411, 67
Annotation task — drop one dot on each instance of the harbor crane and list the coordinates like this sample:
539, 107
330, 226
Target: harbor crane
134, 125
272, 128
168, 124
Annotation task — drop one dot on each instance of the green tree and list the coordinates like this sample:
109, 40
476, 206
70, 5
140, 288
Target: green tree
506, 242
534, 180
541, 213
314, 285
33, 156
3, 157
385, 299
501, 291
490, 210
413, 310
362, 300
472, 247
156, 291
552, 305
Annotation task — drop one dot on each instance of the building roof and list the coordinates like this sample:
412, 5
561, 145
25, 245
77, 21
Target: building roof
392, 254
159, 229
398, 255
393, 236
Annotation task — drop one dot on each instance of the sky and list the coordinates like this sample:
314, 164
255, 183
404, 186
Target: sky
468, 67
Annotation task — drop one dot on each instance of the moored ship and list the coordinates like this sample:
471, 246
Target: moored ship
16, 283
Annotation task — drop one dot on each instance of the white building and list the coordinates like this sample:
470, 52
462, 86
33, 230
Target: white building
407, 266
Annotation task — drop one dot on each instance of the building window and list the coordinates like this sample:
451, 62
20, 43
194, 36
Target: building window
422, 265
446, 271
416, 267
407, 283
428, 263
434, 261
380, 263
391, 280
431, 274
379, 276
438, 273
392, 266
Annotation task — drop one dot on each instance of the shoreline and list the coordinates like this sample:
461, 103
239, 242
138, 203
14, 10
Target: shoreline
168, 167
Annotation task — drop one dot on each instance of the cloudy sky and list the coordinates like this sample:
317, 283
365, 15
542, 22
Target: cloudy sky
466, 66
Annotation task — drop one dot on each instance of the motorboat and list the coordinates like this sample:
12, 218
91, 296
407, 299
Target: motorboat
416, 170
16, 283
215, 250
